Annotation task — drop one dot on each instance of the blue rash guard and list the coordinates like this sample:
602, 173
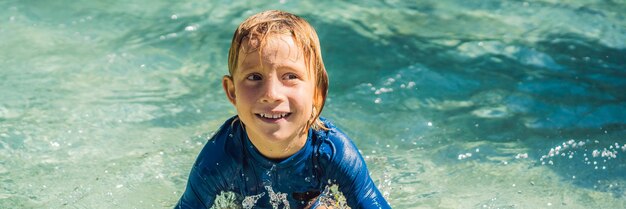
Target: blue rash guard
229, 162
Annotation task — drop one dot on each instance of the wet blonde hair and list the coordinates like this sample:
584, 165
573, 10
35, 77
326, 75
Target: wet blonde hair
258, 28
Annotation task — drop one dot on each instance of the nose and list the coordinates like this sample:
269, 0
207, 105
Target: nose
272, 91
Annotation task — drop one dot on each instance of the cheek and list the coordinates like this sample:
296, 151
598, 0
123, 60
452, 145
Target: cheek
305, 98
245, 94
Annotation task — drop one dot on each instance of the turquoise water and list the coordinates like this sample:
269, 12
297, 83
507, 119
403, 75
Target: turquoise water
454, 104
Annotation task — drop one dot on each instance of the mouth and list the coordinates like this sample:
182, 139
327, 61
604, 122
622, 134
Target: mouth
273, 117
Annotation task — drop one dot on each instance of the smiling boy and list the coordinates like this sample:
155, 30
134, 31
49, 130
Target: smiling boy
272, 92
277, 151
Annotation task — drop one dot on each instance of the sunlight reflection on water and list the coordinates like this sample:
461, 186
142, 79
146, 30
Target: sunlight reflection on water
456, 104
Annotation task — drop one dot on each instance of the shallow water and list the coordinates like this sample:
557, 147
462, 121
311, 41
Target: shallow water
454, 104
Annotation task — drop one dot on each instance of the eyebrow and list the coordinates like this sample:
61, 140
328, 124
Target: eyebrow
289, 65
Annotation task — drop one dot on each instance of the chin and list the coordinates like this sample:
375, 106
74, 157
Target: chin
279, 136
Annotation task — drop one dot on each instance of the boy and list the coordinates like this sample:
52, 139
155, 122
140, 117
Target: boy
277, 150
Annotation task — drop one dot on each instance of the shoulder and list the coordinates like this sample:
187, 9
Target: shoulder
335, 147
218, 161
223, 147
342, 164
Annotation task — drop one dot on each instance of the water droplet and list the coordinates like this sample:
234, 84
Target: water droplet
191, 28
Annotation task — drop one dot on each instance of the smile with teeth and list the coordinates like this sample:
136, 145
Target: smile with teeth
273, 115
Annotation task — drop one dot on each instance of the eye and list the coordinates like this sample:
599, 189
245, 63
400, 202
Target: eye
290, 76
253, 77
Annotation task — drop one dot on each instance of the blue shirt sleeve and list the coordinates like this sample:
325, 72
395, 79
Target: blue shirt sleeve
210, 172
198, 193
346, 167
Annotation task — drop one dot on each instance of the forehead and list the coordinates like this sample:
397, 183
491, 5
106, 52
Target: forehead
273, 50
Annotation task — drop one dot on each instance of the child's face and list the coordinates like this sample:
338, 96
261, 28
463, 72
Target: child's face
272, 91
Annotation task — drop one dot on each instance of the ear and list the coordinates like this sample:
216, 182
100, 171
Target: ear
229, 88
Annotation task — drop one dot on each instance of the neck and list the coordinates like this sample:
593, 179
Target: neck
278, 150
